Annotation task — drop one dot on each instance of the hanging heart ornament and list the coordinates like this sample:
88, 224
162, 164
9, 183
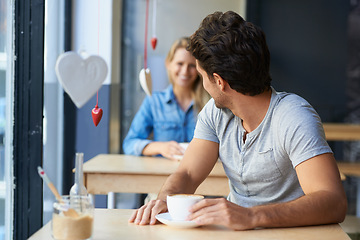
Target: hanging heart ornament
145, 80
81, 78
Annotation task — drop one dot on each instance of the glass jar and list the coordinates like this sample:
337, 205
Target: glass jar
73, 218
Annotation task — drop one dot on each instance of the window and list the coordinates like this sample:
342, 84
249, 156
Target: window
53, 98
24, 104
3, 64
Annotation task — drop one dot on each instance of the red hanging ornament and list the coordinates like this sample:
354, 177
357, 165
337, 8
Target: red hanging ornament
154, 38
153, 42
96, 114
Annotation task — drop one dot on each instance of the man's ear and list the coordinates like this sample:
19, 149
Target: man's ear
219, 81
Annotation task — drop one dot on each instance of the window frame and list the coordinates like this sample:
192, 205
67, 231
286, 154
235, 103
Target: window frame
28, 48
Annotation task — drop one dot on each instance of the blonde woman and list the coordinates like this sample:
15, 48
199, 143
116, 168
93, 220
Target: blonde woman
172, 113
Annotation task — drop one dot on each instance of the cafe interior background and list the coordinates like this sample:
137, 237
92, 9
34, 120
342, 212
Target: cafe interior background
314, 49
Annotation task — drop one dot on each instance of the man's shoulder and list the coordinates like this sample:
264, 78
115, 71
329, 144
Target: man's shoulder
290, 103
293, 112
290, 99
290, 109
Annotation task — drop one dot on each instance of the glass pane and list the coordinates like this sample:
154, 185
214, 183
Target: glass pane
3, 23
53, 98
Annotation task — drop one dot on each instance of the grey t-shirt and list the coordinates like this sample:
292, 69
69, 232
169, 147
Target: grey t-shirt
261, 170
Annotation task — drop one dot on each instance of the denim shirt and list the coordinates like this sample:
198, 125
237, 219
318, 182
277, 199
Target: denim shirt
161, 115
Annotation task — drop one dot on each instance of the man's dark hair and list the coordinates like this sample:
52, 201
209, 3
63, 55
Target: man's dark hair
235, 49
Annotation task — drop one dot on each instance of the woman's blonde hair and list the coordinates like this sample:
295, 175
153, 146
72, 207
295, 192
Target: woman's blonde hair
199, 94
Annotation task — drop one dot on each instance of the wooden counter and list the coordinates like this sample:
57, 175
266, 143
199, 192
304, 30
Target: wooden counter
113, 224
107, 173
133, 174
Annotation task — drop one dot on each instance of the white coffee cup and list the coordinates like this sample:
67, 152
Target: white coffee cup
179, 205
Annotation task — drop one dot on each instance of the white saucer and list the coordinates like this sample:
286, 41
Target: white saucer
165, 218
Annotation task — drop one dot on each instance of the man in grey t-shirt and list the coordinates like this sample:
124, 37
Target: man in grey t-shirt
281, 170
261, 164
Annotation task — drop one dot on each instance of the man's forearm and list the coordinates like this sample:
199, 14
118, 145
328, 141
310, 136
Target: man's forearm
177, 183
317, 208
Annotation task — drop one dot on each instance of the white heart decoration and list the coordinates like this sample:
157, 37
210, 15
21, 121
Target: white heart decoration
80, 78
145, 80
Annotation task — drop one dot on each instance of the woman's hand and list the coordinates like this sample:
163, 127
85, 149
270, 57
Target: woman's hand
146, 214
172, 150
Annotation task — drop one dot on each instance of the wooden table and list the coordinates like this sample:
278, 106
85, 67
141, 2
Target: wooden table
132, 174
349, 169
342, 131
351, 226
352, 169
346, 132
113, 224
107, 173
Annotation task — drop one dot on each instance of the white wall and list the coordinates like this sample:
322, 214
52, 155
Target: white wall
174, 19
181, 18
92, 29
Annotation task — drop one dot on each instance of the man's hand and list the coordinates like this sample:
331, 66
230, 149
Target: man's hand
146, 214
199, 160
221, 212
323, 192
